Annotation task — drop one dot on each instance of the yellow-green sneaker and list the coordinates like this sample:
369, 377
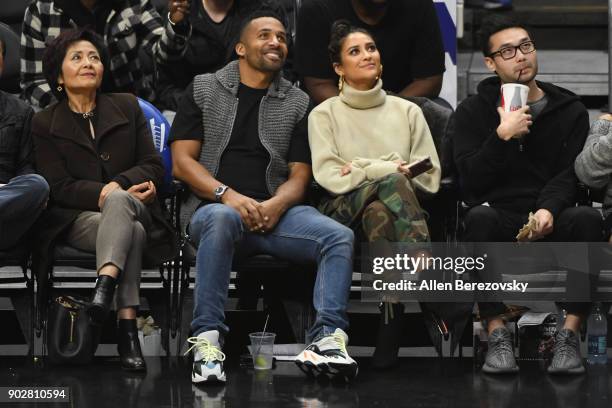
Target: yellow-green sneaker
328, 356
208, 358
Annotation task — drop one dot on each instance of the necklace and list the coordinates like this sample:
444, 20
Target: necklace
86, 115
89, 115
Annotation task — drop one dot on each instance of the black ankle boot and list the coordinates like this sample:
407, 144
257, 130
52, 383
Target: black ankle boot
102, 298
389, 334
128, 346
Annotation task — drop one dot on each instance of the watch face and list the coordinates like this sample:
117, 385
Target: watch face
219, 191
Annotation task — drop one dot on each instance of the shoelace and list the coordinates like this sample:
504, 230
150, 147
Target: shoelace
207, 350
564, 348
503, 345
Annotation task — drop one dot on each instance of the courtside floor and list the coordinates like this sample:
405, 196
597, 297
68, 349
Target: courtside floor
418, 382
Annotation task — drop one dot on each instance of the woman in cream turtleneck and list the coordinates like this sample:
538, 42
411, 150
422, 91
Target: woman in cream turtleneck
362, 143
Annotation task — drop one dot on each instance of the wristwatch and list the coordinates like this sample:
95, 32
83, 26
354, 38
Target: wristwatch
219, 191
172, 23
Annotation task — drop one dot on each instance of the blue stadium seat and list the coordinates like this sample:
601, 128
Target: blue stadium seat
160, 129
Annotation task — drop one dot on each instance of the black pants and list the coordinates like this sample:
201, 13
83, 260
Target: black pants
574, 224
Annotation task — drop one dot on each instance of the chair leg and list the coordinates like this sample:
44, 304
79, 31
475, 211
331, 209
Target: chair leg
176, 335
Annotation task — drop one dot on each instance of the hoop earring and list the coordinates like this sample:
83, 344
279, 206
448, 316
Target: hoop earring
59, 88
380, 73
340, 83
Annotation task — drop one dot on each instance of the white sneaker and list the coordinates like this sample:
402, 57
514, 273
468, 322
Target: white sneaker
328, 356
208, 358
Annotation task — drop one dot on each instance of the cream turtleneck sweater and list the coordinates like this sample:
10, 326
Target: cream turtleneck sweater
369, 129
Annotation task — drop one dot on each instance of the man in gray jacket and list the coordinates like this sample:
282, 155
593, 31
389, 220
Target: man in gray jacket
22, 193
239, 141
594, 164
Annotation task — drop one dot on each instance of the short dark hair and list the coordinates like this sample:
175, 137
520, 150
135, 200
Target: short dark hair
493, 24
341, 29
3, 46
55, 52
265, 10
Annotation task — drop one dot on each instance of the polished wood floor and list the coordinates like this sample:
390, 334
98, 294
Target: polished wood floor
418, 382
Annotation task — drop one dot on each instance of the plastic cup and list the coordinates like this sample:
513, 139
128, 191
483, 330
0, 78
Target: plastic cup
514, 96
262, 347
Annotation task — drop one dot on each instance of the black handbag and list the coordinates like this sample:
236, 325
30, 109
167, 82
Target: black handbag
72, 338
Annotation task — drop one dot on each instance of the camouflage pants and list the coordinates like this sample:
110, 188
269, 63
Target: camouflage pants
387, 209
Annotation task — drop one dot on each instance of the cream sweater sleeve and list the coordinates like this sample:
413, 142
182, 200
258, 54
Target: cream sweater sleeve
378, 168
326, 163
422, 146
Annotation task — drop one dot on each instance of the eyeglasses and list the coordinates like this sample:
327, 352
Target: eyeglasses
507, 53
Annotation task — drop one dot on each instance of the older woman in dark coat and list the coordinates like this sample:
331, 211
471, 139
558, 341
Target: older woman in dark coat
97, 154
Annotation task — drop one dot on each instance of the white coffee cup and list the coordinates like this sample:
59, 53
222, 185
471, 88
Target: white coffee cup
514, 96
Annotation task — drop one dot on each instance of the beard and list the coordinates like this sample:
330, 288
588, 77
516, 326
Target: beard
261, 63
264, 65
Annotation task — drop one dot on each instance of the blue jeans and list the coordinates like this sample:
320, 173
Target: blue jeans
21, 202
302, 235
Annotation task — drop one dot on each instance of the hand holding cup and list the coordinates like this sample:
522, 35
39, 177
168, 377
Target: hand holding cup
513, 100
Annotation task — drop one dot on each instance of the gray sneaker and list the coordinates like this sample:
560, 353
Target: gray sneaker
500, 356
566, 358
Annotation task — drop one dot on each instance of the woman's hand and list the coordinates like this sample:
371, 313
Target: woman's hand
404, 169
346, 169
145, 192
106, 190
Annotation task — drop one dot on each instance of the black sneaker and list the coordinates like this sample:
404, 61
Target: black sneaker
566, 358
500, 356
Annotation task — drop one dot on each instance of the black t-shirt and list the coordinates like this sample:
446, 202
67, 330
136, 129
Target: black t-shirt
83, 17
244, 161
408, 38
537, 107
223, 29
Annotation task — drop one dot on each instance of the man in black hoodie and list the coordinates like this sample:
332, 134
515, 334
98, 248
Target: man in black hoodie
514, 163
